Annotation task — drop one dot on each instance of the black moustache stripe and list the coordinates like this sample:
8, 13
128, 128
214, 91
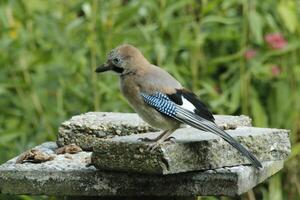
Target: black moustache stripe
117, 69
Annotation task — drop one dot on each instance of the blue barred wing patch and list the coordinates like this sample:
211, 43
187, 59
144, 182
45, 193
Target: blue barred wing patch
161, 102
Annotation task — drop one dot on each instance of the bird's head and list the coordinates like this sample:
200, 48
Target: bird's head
123, 60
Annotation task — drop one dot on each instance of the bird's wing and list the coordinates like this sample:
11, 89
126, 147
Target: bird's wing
185, 114
158, 80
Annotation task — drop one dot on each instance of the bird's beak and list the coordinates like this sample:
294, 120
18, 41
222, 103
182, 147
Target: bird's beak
103, 68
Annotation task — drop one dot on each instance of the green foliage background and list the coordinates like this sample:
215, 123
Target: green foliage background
50, 49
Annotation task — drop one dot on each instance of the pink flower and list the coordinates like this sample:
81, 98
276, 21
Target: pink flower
250, 53
275, 70
276, 40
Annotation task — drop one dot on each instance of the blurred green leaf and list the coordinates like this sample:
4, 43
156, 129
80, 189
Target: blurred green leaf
288, 12
258, 111
275, 187
256, 26
7, 137
295, 151
218, 19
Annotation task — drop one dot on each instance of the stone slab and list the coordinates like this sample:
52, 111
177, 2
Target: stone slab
85, 129
68, 175
193, 150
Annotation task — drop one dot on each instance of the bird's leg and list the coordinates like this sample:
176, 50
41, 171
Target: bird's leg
166, 137
163, 138
154, 139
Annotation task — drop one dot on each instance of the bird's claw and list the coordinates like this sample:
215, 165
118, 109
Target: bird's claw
145, 139
170, 139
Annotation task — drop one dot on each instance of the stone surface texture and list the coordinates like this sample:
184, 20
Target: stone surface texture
69, 175
193, 150
86, 129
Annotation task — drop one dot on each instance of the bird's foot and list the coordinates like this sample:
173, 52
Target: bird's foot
153, 146
145, 139
156, 144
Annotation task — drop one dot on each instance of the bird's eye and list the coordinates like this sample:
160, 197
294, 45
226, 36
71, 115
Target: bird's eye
116, 61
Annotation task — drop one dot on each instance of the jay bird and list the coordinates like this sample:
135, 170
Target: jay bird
160, 100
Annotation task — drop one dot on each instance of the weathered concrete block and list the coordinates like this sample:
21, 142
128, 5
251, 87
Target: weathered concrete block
193, 150
85, 130
68, 175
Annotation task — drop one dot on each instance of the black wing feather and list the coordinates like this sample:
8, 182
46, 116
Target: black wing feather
201, 108
176, 97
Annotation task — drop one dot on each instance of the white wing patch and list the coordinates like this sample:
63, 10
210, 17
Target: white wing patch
187, 105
